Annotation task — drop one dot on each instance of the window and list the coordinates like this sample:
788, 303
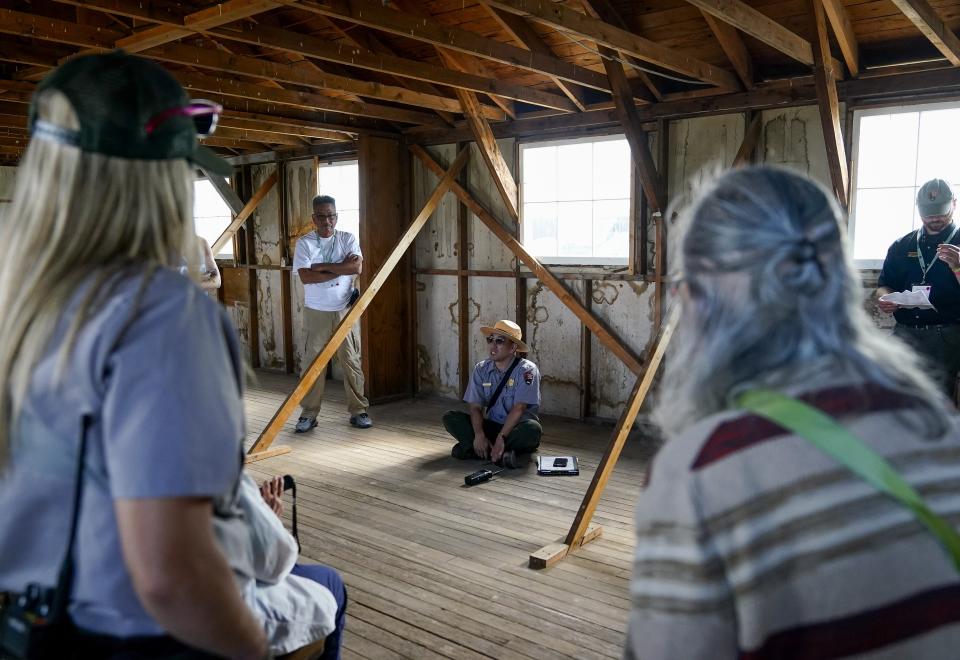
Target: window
211, 215
575, 200
897, 150
341, 180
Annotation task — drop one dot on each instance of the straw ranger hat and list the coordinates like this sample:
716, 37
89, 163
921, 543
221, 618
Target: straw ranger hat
507, 329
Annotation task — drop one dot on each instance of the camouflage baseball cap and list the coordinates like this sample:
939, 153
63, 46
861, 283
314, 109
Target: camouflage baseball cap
935, 198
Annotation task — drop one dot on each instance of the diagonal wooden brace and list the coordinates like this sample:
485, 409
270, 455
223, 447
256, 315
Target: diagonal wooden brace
343, 329
542, 272
245, 213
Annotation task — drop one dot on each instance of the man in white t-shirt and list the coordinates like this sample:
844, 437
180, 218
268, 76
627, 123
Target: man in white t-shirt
327, 260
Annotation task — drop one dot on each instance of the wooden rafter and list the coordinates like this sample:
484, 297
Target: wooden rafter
227, 193
521, 32
605, 11
320, 48
551, 281
424, 28
308, 77
732, 45
320, 362
230, 86
842, 29
266, 125
617, 39
925, 18
828, 103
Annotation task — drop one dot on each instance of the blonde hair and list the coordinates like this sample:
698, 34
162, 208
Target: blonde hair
77, 220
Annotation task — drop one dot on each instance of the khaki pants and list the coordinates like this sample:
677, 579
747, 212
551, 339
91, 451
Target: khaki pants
318, 327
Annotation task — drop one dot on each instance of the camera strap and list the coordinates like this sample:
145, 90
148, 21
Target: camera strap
503, 382
291, 485
65, 577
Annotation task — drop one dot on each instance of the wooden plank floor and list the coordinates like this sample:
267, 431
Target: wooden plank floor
438, 570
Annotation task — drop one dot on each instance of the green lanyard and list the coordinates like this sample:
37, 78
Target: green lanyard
825, 433
923, 264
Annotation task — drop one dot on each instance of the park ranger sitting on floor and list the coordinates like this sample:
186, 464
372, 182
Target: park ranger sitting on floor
504, 396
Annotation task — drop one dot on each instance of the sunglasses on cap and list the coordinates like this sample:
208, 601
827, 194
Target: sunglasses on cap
497, 339
203, 113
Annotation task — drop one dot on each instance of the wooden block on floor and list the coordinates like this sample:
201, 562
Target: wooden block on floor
549, 555
268, 453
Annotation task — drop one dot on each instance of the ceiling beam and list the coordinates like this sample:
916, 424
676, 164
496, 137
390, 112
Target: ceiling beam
263, 35
617, 39
291, 73
268, 125
733, 47
228, 130
603, 10
205, 19
50, 29
843, 30
925, 18
524, 34
230, 86
428, 30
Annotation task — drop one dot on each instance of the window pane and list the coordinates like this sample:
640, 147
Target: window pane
611, 228
939, 144
575, 229
611, 169
575, 172
211, 215
540, 228
887, 150
540, 174
349, 220
342, 182
883, 216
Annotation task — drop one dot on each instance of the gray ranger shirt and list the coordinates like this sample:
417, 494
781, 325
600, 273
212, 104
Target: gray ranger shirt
523, 386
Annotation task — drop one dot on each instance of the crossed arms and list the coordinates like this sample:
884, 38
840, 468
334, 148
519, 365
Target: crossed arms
320, 272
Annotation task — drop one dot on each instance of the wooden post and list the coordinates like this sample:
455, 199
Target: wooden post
581, 531
343, 329
463, 285
586, 354
539, 270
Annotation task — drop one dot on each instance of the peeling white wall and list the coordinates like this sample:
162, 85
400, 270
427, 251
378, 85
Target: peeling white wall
7, 175
793, 137
438, 336
301, 183
553, 334
266, 239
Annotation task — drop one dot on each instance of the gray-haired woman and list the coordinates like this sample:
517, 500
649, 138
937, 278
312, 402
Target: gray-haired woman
751, 541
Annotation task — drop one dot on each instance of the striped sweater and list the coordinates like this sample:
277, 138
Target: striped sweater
753, 544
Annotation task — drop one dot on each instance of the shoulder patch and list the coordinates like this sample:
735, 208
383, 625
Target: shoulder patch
528, 376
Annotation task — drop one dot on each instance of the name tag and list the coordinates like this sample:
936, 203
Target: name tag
912, 255
925, 289
487, 384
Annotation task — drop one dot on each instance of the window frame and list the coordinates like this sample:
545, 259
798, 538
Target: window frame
222, 256
858, 114
601, 264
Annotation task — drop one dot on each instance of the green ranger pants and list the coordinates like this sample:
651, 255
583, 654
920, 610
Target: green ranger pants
523, 439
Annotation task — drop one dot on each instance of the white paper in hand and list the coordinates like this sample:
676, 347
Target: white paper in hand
917, 298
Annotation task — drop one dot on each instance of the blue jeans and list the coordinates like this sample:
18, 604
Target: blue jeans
329, 578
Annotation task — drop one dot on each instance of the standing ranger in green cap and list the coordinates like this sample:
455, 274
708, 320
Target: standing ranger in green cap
929, 257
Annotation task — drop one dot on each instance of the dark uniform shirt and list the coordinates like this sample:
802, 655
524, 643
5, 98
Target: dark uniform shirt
901, 271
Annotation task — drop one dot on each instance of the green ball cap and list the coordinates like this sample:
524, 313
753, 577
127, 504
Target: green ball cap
934, 198
115, 95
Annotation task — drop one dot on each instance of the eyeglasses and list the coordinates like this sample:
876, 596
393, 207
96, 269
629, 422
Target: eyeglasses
203, 113
324, 216
496, 339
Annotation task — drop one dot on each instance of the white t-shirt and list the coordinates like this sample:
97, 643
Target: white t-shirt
334, 295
